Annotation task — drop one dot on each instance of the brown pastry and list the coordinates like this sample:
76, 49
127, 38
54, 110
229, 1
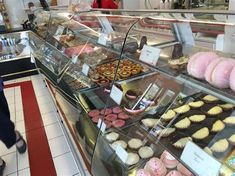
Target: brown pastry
125, 74
135, 71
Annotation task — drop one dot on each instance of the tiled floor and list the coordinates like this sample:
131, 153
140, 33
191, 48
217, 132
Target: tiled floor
19, 165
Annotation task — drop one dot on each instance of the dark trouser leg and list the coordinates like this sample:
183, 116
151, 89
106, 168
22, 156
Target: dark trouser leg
3, 104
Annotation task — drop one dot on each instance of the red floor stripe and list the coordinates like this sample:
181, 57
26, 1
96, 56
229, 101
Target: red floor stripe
40, 159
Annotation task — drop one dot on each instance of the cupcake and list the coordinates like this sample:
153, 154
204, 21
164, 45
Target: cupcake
174, 173
142, 172
183, 170
155, 167
168, 160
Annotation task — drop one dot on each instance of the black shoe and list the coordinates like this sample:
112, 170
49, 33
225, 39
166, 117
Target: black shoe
2, 167
23, 148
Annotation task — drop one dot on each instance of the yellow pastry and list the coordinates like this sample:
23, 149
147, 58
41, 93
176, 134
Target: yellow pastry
183, 124
169, 115
231, 139
197, 118
229, 120
215, 110
218, 126
210, 98
182, 109
165, 132
182, 142
208, 150
227, 106
201, 134
196, 104
220, 146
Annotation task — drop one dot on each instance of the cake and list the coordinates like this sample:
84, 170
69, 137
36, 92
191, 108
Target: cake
196, 104
183, 124
150, 122
217, 126
227, 106
168, 160
174, 173
145, 152
142, 172
182, 109
135, 143
231, 139
111, 137
210, 98
183, 170
182, 142
122, 143
231, 79
197, 118
229, 120
132, 159
169, 115
215, 110
201, 134
155, 167
220, 146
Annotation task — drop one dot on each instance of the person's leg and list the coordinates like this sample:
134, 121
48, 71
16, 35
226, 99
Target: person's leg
2, 166
3, 104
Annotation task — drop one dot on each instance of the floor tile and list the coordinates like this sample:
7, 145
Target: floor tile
13, 174
49, 118
65, 165
45, 99
9, 92
23, 160
22, 79
58, 146
46, 108
17, 91
19, 106
20, 126
11, 100
19, 116
11, 165
13, 116
24, 172
53, 131
12, 109
9, 82
4, 150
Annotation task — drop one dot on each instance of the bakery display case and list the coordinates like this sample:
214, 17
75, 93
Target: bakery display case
151, 93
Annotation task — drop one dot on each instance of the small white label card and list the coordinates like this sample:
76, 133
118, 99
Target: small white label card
106, 26
121, 153
186, 34
150, 55
74, 59
101, 125
103, 39
32, 59
189, 16
116, 94
199, 161
59, 31
85, 69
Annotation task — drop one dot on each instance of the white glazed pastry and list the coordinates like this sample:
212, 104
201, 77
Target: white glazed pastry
135, 143
122, 143
132, 159
111, 137
145, 152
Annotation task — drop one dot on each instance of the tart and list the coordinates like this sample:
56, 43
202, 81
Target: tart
150, 122
135, 143
125, 74
183, 124
102, 81
169, 115
145, 152
132, 159
165, 132
201, 134
178, 63
111, 137
108, 73
220, 146
182, 142
217, 126
215, 110
196, 104
231, 139
227, 106
229, 120
210, 98
197, 118
182, 109
135, 71
127, 68
122, 143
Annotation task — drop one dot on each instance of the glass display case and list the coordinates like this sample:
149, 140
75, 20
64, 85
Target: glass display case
154, 90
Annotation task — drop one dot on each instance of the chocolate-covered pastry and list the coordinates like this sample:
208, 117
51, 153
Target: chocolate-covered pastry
177, 51
143, 42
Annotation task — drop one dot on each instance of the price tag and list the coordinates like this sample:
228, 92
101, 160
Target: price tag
74, 59
186, 34
189, 16
121, 153
32, 59
101, 125
103, 39
150, 54
85, 69
106, 26
199, 161
59, 31
219, 42
116, 94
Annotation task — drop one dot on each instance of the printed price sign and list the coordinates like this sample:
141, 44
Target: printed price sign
150, 55
59, 32
186, 34
103, 39
121, 153
101, 125
116, 94
85, 69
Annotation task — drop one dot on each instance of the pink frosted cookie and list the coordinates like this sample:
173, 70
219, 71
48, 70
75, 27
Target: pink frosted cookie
142, 172
168, 160
155, 167
232, 79
174, 173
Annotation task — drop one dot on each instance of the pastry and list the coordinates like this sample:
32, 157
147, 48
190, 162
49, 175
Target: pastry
231, 79
217, 126
165, 132
220, 146
201, 134
178, 63
135, 71
145, 152
196, 104
182, 142
183, 124
215, 110
208, 150
182, 109
197, 118
169, 115
149, 122
131, 94
94, 113
135, 143
225, 171
117, 110
132, 159
168, 160
229, 120
231, 139
111, 137
111, 117
142, 172
155, 167
210, 98
125, 74
122, 143
227, 106
183, 170
106, 111
118, 123
174, 173
123, 115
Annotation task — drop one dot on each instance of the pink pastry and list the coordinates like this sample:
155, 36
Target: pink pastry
183, 170
155, 167
192, 58
199, 62
168, 160
174, 173
219, 77
232, 79
142, 172
210, 69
